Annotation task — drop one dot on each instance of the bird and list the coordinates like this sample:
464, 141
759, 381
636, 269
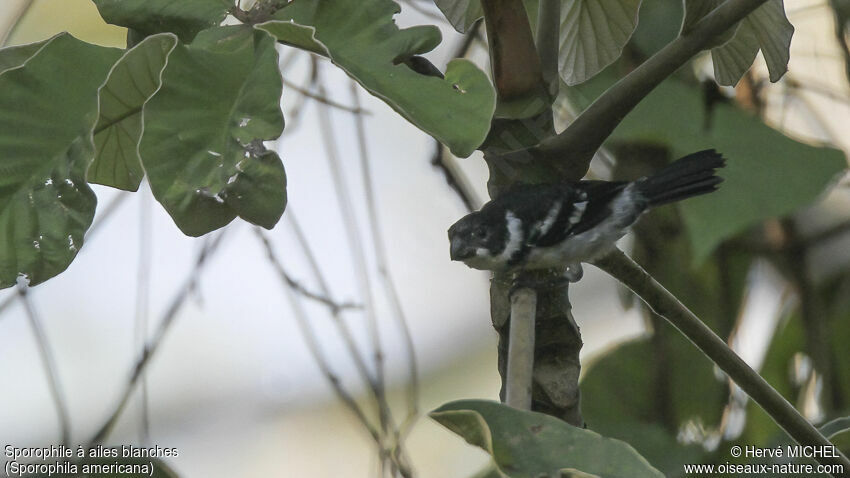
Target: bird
544, 226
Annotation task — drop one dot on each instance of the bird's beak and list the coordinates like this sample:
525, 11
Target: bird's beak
459, 251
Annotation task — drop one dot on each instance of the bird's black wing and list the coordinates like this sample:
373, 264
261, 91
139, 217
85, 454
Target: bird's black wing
586, 204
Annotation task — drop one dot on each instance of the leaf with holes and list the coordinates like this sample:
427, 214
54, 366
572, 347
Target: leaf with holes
766, 29
185, 18
362, 39
593, 34
132, 81
461, 13
48, 107
204, 129
529, 444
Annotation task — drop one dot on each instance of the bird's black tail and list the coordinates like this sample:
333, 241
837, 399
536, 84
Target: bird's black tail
686, 177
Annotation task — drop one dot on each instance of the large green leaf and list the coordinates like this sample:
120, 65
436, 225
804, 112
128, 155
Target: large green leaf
767, 173
132, 81
185, 18
203, 132
593, 33
461, 13
766, 29
48, 107
530, 444
362, 39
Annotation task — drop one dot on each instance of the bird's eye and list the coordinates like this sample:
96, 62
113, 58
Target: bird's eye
480, 232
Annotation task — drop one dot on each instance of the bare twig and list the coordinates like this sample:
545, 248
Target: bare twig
344, 330
313, 344
521, 349
324, 99
360, 266
666, 305
49, 364
335, 307
380, 250
210, 247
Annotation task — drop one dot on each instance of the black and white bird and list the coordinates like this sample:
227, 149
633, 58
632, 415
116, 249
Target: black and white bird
564, 224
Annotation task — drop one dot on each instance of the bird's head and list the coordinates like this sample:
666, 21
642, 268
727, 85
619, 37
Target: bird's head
478, 240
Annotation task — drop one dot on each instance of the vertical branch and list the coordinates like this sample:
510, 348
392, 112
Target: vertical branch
383, 267
49, 365
143, 303
521, 349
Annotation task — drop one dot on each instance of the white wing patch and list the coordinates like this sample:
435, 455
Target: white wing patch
514, 240
549, 221
578, 212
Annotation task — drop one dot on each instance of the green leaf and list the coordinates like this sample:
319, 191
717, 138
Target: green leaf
185, 18
203, 132
530, 444
766, 29
132, 81
593, 34
362, 39
461, 13
767, 173
48, 107
15, 56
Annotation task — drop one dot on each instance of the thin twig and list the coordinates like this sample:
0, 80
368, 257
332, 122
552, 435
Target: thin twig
296, 286
386, 277
313, 343
666, 305
360, 265
209, 248
325, 100
18, 16
342, 326
49, 363
521, 349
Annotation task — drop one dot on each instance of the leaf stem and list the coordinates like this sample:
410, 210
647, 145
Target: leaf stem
666, 305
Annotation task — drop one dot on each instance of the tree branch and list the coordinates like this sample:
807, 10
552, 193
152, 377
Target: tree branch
521, 349
666, 305
586, 134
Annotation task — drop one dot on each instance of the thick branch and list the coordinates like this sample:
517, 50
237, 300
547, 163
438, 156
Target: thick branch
586, 134
665, 304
